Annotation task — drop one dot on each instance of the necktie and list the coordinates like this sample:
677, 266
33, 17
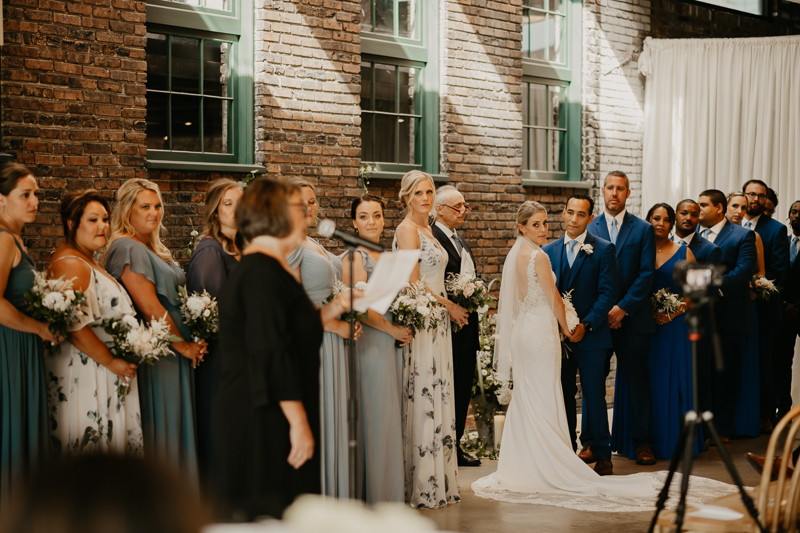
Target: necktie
457, 244
571, 252
748, 224
682, 242
706, 233
793, 249
613, 233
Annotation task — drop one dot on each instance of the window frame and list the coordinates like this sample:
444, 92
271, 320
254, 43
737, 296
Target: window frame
567, 75
236, 27
423, 54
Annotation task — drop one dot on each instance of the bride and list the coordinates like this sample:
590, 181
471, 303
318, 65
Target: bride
537, 464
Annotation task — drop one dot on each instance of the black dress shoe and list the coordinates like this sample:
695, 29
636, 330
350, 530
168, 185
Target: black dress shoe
466, 460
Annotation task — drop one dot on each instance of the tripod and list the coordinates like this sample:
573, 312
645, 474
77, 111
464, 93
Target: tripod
692, 424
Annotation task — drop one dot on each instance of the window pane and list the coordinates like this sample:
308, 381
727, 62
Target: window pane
366, 137
366, 86
534, 27
558, 6
366, 15
185, 64
157, 61
186, 123
526, 87
557, 106
223, 5
385, 88
538, 105
408, 129
215, 125
385, 138
406, 90
157, 116
558, 38
406, 15
384, 16
557, 156
215, 68
536, 150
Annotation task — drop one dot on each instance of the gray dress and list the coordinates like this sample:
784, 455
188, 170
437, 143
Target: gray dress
318, 276
380, 369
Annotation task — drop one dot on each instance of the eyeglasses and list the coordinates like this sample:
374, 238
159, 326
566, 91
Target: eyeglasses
460, 210
752, 195
302, 205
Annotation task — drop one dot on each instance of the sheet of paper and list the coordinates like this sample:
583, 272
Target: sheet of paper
388, 279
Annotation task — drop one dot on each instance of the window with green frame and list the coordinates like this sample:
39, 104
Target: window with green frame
551, 91
200, 84
399, 86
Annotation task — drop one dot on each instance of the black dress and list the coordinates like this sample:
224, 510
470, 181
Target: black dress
270, 339
208, 270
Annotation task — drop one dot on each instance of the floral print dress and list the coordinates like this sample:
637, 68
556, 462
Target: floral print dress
85, 412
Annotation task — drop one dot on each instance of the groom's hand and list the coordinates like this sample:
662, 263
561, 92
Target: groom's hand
577, 334
615, 317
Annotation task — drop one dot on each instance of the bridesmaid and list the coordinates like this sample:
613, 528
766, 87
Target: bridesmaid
380, 369
137, 257
319, 270
24, 435
217, 253
747, 422
87, 415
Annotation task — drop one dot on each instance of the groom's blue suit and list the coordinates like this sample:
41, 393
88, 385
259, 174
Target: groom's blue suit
593, 280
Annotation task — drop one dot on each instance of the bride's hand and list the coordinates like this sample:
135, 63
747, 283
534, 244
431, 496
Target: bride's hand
457, 313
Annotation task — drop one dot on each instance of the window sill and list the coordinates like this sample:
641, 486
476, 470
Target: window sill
385, 175
560, 184
204, 167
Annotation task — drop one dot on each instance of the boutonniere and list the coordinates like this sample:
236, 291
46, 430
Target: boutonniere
588, 249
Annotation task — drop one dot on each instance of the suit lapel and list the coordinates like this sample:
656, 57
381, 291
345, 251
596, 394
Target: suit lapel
601, 228
724, 233
579, 259
624, 232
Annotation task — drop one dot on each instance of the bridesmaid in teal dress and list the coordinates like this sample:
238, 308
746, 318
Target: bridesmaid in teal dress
319, 270
24, 435
380, 370
138, 259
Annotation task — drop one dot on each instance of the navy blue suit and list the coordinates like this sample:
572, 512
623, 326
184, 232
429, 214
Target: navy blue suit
705, 252
592, 278
739, 257
636, 267
775, 375
790, 327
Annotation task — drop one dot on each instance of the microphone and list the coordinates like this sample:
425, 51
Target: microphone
327, 228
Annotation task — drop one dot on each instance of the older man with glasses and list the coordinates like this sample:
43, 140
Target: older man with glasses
450, 210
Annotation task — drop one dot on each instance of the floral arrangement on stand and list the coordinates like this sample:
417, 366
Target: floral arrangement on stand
469, 292
200, 313
253, 174
340, 288
665, 301
416, 308
190, 246
364, 172
54, 301
763, 287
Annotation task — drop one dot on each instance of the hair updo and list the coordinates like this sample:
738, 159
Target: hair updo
526, 211
410, 182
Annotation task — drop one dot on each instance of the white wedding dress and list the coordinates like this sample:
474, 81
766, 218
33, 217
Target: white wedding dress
537, 464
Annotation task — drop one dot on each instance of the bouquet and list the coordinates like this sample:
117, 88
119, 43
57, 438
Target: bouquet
139, 343
55, 302
763, 287
340, 288
469, 292
417, 309
665, 301
200, 313
572, 322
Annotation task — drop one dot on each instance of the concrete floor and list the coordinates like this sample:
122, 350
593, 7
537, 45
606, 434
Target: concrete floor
478, 515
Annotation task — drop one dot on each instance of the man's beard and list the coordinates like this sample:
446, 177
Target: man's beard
755, 211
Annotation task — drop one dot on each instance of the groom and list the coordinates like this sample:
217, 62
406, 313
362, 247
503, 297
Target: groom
586, 265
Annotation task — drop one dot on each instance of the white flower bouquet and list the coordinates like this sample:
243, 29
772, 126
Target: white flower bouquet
665, 301
416, 308
469, 292
341, 288
200, 313
763, 287
139, 343
572, 322
55, 302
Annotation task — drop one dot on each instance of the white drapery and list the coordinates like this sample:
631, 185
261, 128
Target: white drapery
719, 112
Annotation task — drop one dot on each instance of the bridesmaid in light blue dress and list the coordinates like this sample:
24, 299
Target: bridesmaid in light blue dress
380, 369
319, 270
138, 259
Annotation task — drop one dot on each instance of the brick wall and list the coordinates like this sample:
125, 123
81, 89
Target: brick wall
73, 98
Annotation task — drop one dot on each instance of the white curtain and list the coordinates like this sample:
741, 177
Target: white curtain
719, 112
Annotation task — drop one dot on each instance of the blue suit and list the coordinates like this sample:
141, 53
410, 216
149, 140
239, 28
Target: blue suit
776, 384
790, 327
636, 267
705, 252
592, 278
739, 257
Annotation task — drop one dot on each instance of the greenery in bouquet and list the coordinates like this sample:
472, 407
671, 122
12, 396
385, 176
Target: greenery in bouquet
139, 343
200, 313
469, 292
572, 322
54, 301
354, 316
763, 287
665, 301
416, 308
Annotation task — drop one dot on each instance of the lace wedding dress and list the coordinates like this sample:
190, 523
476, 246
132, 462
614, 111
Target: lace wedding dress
537, 464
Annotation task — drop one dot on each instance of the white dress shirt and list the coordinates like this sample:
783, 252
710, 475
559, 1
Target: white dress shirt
451, 234
715, 229
580, 238
620, 217
753, 221
687, 239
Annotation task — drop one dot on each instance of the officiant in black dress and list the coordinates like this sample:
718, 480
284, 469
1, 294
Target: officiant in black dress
450, 212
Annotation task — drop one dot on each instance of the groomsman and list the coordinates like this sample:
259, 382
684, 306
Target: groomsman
450, 211
630, 319
790, 322
771, 204
739, 256
587, 265
776, 262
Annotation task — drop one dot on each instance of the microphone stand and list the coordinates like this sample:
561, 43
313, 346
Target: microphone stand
352, 401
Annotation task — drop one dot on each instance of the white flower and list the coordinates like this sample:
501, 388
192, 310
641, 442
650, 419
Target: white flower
483, 310
129, 321
361, 286
194, 233
588, 249
423, 300
423, 310
195, 305
485, 372
70, 294
207, 313
469, 289
53, 300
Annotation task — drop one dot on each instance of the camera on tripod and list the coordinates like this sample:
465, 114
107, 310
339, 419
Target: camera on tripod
699, 282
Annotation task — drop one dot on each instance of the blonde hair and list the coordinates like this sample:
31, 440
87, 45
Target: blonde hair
302, 182
121, 218
211, 226
734, 194
526, 211
410, 182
